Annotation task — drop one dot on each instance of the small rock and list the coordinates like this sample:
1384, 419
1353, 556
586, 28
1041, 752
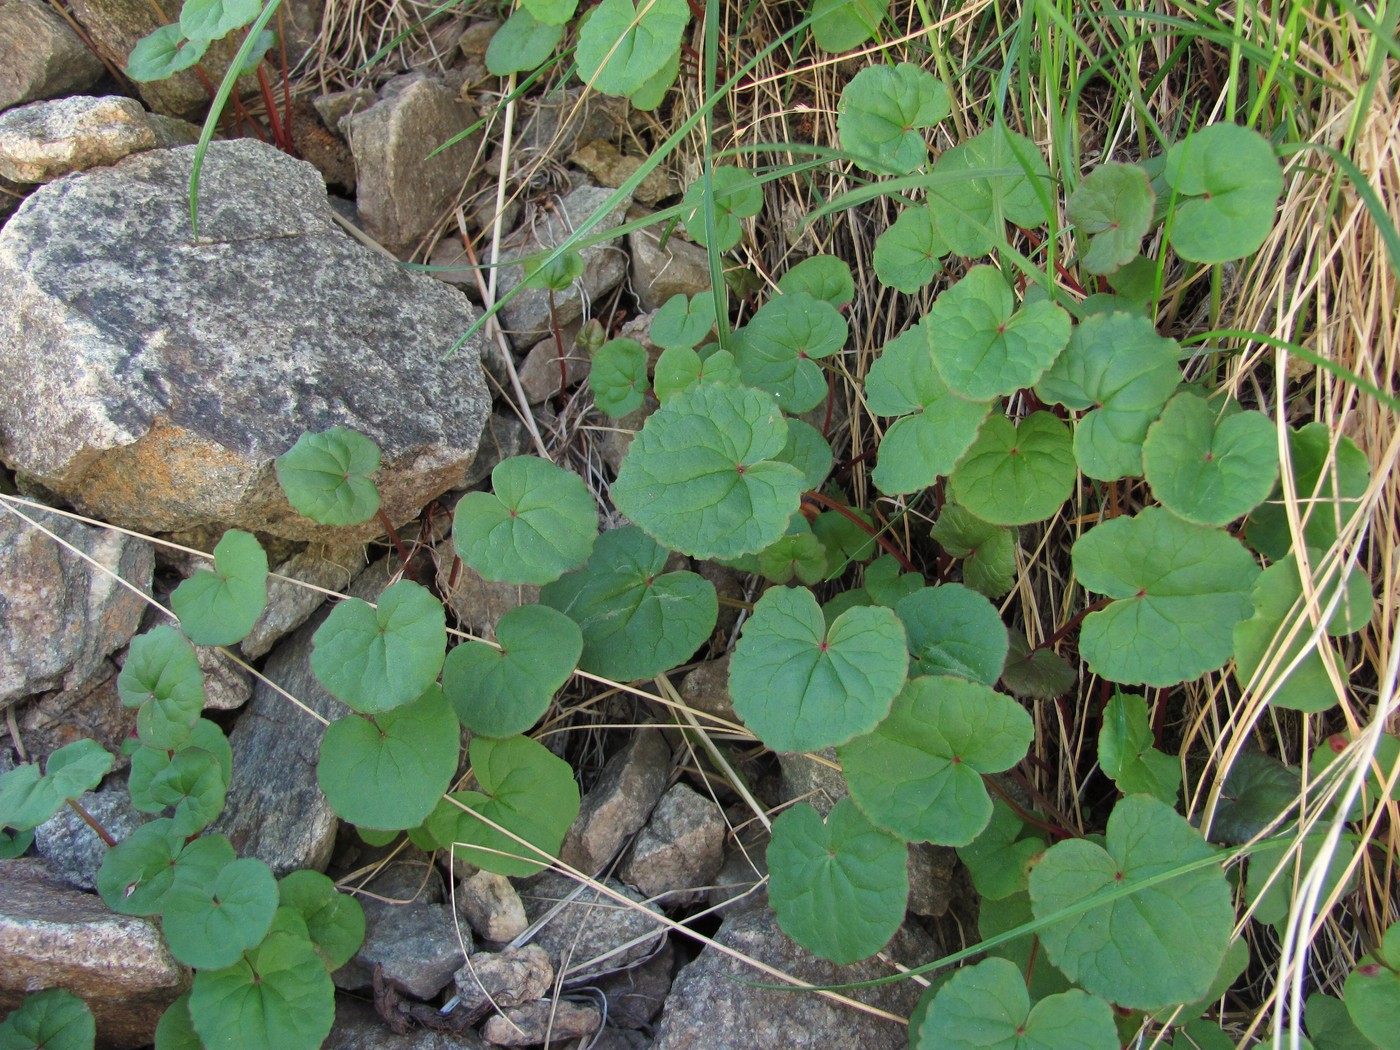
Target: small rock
681, 848
490, 903
92, 711
635, 996
618, 804
707, 688
290, 605
588, 933
545, 1019
337, 105
606, 166
40, 55
473, 44
540, 373
496, 980
417, 946
318, 145
227, 687
452, 265
680, 268
70, 847
358, 1027
400, 190
411, 878
931, 871
479, 603
53, 936
816, 780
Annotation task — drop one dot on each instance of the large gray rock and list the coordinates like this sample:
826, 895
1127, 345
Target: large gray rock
52, 936
43, 141
60, 616
152, 379
416, 948
92, 711
40, 55
401, 191
72, 849
680, 850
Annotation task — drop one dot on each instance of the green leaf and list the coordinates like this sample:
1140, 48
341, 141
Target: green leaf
551, 12
1038, 675
335, 921
1014, 475
999, 858
1258, 789
27, 799
882, 113
680, 368
1372, 992
1329, 483
919, 774
1001, 916
737, 195
1161, 944
802, 687
653, 92
988, 552
1207, 468
808, 451
838, 888
1181, 588
277, 997
954, 631
522, 43
137, 873
377, 658
972, 214
215, 19
220, 607
822, 277
907, 255
54, 1019
1117, 365
1231, 181
637, 620
778, 349
326, 476
919, 449
15, 843
210, 922
622, 46
839, 25
389, 772
540, 523
844, 540
501, 692
1330, 1025
175, 1030
193, 780
702, 476
1127, 755
987, 1006
1113, 206
798, 555
556, 274
887, 585
683, 321
163, 53
1373, 791
618, 378
1272, 899
523, 788
162, 678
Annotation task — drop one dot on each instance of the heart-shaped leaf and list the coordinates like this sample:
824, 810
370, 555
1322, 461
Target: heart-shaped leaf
702, 476
27, 799
882, 113
681, 368
623, 45
1231, 181
908, 254
887, 585
389, 772
972, 208
822, 277
802, 687
138, 872
54, 1019
1258, 790
162, 678
1207, 468
1160, 944
539, 523
377, 658
504, 691
618, 378
737, 195
1113, 205
209, 921
215, 19
778, 350
988, 552
839, 25
1014, 475
522, 43
953, 630
220, 607
193, 780
335, 921
1035, 675
838, 888
919, 774
162, 53
1181, 588
1127, 755
683, 321
556, 273
1330, 475
326, 476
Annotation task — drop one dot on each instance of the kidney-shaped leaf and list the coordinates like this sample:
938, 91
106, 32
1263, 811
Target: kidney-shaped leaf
702, 476
822, 277
137, 872
53, 1019
162, 678
1113, 205
954, 630
522, 43
623, 45
335, 921
679, 368
326, 476
210, 921
972, 208
778, 350
193, 780
618, 378
683, 321
1181, 588
1231, 181
882, 113
1207, 468
539, 523
838, 888
919, 774
907, 255
800, 687
220, 607
1160, 944
1014, 475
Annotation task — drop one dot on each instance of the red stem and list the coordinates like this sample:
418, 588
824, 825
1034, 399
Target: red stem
394, 537
864, 526
91, 822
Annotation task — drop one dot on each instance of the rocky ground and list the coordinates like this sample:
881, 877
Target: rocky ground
147, 380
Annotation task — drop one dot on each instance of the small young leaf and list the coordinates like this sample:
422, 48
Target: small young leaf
919, 774
501, 692
1113, 205
702, 476
798, 555
888, 586
737, 195
801, 687
375, 659
521, 44
1181, 588
988, 552
838, 888
618, 378
163, 53
684, 321
1014, 475
193, 780
54, 1019
637, 619
987, 1006
210, 922
326, 476
954, 631
1161, 944
539, 524
27, 799
1232, 182
390, 772
1258, 790
1127, 755
680, 368
137, 873
822, 277
1329, 485
1038, 675
907, 255
623, 45
839, 25
162, 678
844, 540
220, 607
972, 212
215, 19
557, 274
999, 858
882, 113
335, 921
1208, 469
778, 349
808, 451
